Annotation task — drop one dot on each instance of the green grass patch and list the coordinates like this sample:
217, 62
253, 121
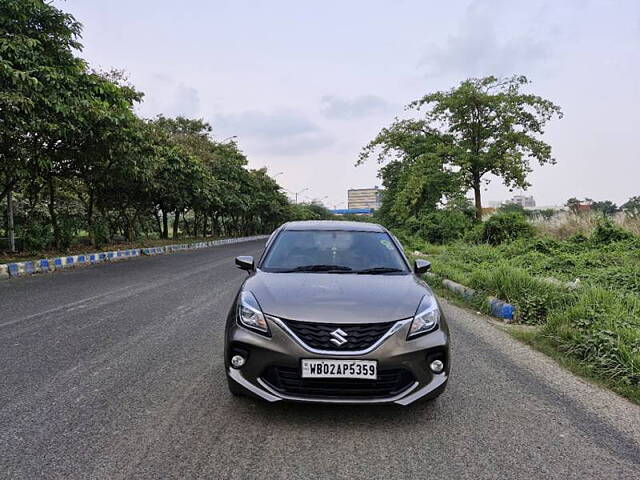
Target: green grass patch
547, 345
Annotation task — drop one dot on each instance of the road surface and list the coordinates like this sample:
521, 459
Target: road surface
115, 371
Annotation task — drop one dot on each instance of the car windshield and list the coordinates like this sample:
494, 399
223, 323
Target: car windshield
335, 251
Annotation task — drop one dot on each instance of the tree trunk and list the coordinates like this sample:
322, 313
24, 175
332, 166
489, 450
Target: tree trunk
185, 224
477, 194
165, 224
176, 223
7, 188
10, 228
205, 218
158, 222
52, 212
90, 227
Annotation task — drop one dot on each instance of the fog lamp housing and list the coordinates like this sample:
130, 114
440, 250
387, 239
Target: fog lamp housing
436, 366
238, 361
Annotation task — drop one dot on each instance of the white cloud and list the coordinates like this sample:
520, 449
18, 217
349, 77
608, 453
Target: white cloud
163, 95
357, 107
281, 132
481, 47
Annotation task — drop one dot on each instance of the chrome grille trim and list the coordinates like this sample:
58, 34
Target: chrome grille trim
341, 353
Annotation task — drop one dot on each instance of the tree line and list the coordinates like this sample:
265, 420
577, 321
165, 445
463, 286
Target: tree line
76, 160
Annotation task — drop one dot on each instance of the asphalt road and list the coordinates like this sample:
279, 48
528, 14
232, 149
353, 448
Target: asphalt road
116, 371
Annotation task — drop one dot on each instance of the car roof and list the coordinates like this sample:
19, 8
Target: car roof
334, 225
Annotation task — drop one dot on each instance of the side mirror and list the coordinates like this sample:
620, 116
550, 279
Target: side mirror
421, 266
245, 263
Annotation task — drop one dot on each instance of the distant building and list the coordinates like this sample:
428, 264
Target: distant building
523, 200
363, 198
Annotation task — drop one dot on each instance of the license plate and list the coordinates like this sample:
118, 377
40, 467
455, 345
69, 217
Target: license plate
320, 368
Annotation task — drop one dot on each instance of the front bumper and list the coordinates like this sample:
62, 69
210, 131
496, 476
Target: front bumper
283, 349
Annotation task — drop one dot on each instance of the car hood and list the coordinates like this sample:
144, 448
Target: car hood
337, 298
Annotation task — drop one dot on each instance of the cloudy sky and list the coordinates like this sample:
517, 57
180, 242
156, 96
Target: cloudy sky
304, 85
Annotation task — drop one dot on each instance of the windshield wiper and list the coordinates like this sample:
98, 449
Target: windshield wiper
377, 270
319, 268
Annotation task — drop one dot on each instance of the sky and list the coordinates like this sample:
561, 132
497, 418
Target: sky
304, 85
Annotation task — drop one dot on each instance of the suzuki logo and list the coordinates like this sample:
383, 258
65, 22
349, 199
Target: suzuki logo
338, 337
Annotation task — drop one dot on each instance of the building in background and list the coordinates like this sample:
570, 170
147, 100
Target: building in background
363, 198
523, 200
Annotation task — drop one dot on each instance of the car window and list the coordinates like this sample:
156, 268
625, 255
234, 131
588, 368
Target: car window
349, 251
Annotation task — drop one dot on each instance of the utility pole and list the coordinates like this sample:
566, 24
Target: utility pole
12, 235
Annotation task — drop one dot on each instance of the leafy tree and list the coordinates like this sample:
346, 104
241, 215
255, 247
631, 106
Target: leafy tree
417, 178
36, 56
605, 207
631, 207
486, 126
76, 158
573, 204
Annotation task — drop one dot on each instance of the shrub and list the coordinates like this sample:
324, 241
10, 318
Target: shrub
606, 232
444, 226
35, 237
505, 227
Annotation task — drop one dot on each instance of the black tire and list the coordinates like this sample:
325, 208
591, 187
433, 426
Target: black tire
235, 389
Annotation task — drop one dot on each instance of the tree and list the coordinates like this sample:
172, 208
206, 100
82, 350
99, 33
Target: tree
573, 204
75, 158
36, 46
417, 179
631, 207
487, 125
605, 207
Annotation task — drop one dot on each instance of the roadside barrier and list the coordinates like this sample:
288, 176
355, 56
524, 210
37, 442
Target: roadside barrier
45, 265
498, 308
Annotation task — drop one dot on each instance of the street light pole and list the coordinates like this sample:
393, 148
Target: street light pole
298, 193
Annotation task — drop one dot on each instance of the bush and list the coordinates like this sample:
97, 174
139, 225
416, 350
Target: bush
606, 232
444, 226
505, 227
35, 237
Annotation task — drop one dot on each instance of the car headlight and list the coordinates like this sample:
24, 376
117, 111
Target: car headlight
250, 315
426, 319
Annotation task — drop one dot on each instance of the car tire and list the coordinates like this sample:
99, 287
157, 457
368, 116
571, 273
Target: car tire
235, 388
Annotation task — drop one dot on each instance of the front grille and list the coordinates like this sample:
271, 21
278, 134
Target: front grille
287, 380
358, 336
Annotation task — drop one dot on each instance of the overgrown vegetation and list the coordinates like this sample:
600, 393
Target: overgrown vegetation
583, 292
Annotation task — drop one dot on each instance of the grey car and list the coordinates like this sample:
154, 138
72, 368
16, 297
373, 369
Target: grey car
333, 312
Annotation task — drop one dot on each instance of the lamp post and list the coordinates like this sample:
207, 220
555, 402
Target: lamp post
298, 193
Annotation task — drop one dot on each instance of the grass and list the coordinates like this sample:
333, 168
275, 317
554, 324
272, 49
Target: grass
549, 347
